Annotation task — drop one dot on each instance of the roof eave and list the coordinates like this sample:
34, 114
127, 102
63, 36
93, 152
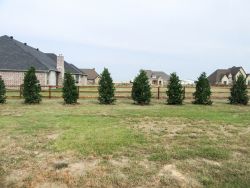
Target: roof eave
22, 70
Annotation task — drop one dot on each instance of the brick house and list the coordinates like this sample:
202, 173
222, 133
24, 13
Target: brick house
92, 76
157, 78
227, 76
17, 57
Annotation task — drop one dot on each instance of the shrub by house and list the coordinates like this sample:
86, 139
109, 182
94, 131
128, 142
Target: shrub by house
106, 88
31, 87
70, 93
141, 90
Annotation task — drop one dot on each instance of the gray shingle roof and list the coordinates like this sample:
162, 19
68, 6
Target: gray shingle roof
158, 74
235, 70
91, 73
217, 75
18, 56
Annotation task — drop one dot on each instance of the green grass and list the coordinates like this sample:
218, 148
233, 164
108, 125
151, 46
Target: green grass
94, 135
132, 144
207, 152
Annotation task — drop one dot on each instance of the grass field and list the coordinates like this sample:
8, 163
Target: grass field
124, 145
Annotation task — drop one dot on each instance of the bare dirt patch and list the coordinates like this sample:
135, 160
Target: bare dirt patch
81, 168
212, 163
123, 162
170, 176
53, 136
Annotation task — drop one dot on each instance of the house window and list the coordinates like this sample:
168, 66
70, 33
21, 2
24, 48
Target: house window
225, 82
77, 78
159, 82
249, 82
154, 82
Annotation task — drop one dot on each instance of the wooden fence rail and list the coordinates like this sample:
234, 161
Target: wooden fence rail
91, 92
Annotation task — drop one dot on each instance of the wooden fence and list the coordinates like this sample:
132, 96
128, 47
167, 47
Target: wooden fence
91, 92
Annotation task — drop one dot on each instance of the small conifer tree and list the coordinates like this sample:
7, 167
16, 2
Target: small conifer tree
70, 93
106, 88
202, 94
141, 90
239, 92
2, 91
31, 87
175, 92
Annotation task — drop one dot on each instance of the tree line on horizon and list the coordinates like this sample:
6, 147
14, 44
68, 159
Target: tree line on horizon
141, 90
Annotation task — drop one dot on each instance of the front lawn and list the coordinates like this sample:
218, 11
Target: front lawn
124, 145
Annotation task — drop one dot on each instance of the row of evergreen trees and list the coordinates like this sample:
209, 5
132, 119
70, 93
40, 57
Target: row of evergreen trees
141, 90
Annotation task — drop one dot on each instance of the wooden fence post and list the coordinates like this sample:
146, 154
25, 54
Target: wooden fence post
49, 92
78, 91
158, 93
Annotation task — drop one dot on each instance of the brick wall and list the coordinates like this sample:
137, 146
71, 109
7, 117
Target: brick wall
16, 78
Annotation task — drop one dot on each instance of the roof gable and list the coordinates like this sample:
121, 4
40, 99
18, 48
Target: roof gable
235, 70
217, 75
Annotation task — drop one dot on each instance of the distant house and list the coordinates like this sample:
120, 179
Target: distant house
227, 76
187, 82
17, 57
92, 76
157, 78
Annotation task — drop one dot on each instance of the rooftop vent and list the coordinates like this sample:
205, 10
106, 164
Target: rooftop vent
11, 37
37, 49
25, 44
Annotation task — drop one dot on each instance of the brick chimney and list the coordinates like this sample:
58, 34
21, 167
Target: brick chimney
60, 68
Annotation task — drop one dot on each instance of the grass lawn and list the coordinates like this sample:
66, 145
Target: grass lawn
124, 145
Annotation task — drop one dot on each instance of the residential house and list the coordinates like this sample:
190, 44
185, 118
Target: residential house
92, 76
157, 78
187, 82
227, 76
79, 76
17, 57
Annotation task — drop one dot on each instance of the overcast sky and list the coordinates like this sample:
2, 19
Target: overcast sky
183, 36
